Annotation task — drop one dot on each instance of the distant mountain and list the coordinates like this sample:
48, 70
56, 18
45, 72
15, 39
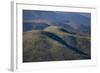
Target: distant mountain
54, 16
35, 26
54, 43
79, 22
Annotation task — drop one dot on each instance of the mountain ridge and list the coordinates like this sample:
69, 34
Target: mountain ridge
50, 40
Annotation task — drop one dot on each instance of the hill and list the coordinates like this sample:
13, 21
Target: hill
74, 21
54, 43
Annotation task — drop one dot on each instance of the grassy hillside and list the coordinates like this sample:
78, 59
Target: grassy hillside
81, 41
54, 43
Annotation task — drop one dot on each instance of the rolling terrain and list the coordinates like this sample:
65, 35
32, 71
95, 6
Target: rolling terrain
73, 21
53, 44
56, 36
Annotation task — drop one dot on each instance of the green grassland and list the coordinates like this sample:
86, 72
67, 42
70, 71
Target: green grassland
42, 45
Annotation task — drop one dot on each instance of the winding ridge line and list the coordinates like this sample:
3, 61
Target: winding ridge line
60, 40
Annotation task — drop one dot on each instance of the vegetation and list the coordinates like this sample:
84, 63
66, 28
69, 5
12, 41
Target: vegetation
53, 44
